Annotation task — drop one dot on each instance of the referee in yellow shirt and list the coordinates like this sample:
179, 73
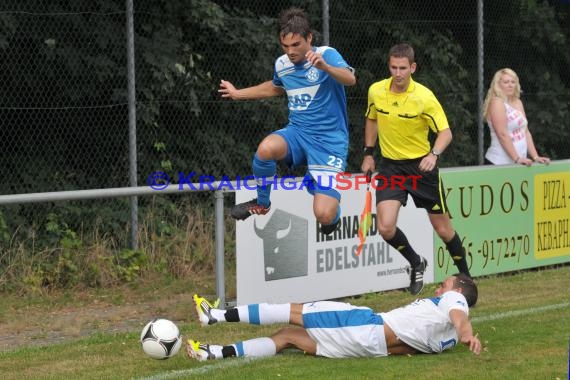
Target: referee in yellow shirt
400, 114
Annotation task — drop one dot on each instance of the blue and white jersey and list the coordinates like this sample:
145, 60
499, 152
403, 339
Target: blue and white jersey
316, 101
425, 324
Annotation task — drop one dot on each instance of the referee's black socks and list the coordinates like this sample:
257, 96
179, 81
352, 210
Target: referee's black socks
400, 242
458, 254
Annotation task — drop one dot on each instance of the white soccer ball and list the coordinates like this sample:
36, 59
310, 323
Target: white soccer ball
160, 339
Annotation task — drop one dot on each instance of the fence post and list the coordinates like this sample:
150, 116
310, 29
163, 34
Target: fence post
220, 234
480, 83
131, 99
326, 32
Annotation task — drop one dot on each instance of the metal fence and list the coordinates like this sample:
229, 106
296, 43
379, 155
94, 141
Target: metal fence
65, 106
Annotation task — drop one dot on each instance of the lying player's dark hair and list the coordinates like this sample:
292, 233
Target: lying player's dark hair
468, 288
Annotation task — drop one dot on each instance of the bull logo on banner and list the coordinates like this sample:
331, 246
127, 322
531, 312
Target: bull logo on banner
285, 246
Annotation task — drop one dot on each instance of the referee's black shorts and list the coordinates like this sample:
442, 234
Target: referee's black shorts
397, 179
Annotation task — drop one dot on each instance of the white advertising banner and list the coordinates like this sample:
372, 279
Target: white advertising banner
283, 257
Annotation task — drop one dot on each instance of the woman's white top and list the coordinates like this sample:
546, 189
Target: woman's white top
516, 127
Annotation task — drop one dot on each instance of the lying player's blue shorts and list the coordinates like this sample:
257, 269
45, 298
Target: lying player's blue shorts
342, 330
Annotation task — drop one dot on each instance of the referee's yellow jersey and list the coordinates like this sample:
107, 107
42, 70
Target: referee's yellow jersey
403, 119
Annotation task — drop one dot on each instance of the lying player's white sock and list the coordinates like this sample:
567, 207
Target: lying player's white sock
259, 314
257, 347
219, 314
255, 314
216, 350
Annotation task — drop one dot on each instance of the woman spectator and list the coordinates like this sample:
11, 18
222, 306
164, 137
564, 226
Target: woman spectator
511, 141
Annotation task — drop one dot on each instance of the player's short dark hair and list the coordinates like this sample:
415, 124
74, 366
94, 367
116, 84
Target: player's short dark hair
294, 20
468, 288
403, 50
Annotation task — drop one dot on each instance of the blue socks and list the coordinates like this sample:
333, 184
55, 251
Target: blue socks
264, 171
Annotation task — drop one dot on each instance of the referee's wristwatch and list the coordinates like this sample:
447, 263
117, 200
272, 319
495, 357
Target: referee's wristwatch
435, 152
369, 151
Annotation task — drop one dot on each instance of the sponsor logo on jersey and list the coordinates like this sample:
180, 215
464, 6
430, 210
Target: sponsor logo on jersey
301, 98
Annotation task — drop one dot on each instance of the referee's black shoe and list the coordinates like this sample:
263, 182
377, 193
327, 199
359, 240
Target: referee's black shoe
417, 277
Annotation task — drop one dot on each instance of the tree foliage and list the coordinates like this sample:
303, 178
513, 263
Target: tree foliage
64, 79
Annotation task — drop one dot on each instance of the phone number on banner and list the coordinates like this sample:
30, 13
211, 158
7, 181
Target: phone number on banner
487, 252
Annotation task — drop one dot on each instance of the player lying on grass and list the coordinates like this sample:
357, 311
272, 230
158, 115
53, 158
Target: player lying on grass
341, 330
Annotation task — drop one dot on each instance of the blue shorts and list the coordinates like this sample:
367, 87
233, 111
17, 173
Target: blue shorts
324, 161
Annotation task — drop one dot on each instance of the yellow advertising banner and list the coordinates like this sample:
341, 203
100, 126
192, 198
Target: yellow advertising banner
551, 214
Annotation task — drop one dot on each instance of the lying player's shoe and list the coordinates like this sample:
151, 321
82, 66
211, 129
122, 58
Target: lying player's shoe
244, 210
328, 229
199, 351
417, 277
203, 307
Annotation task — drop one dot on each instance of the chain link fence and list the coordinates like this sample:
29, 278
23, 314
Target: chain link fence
64, 109
63, 71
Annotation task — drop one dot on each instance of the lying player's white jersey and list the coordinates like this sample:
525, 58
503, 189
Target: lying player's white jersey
425, 324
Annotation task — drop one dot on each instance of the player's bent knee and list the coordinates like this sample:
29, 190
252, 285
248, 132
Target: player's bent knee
283, 338
325, 215
446, 233
387, 232
294, 337
325, 209
273, 147
264, 151
325, 219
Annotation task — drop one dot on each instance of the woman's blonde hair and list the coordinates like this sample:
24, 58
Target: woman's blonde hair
495, 88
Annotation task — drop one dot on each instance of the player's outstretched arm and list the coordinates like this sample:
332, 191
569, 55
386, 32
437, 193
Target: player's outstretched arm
465, 330
260, 91
473, 343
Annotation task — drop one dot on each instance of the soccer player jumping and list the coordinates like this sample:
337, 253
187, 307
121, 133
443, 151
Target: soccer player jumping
317, 133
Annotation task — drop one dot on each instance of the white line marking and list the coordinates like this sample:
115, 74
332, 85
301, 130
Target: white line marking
223, 364
516, 313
